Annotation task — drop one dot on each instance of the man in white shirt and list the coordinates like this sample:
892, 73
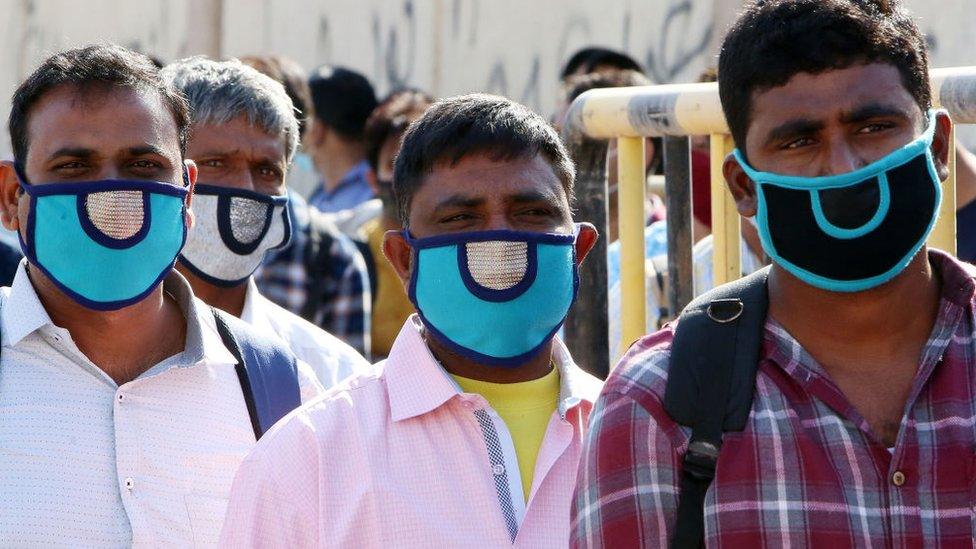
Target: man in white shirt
122, 414
243, 136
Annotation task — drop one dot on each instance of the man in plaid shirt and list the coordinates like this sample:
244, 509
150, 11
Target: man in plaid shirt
862, 427
334, 294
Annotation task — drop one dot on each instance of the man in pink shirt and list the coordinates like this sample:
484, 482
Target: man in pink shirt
469, 434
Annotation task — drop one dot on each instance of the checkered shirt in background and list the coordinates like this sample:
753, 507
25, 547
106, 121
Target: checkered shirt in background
343, 308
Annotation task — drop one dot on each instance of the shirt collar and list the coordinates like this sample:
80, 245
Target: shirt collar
417, 384
23, 314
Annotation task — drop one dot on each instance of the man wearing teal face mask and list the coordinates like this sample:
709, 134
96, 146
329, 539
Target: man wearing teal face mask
469, 433
852, 421
126, 403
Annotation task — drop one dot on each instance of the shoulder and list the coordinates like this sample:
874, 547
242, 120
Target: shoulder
642, 374
311, 343
339, 413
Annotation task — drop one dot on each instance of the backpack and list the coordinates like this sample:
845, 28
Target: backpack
711, 381
268, 372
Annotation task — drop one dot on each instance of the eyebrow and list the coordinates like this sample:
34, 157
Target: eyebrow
792, 128
145, 149
458, 201
76, 152
532, 196
872, 110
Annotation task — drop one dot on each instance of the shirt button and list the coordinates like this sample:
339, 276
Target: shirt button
121, 397
129, 483
498, 469
468, 405
898, 478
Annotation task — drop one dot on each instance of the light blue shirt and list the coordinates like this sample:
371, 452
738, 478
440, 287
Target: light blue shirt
353, 189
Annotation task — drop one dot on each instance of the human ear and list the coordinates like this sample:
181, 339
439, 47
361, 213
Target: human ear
743, 189
10, 193
940, 145
585, 240
399, 253
191, 176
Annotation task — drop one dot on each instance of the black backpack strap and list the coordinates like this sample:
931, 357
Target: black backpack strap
711, 380
267, 372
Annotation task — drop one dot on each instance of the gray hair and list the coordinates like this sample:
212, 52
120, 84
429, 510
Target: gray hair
219, 91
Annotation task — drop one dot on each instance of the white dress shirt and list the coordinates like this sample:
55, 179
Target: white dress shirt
330, 358
85, 462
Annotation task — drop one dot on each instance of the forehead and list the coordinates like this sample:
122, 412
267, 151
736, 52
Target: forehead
829, 94
100, 118
236, 136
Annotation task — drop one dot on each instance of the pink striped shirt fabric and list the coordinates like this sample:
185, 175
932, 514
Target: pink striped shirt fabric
399, 457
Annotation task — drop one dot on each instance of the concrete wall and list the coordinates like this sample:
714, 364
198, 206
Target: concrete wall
513, 47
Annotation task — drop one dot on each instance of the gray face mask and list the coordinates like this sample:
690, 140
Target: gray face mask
234, 230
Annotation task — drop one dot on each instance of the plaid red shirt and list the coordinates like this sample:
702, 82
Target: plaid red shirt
806, 471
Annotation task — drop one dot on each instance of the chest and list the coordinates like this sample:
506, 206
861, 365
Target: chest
448, 478
147, 463
804, 472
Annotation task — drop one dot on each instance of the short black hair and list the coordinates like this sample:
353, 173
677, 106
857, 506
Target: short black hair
86, 68
590, 58
343, 99
293, 77
456, 127
773, 40
390, 119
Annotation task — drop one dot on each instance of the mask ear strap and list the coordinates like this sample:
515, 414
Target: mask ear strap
22, 177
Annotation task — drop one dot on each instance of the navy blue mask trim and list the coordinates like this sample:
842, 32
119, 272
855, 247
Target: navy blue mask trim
486, 236
532, 238
81, 189
480, 358
97, 235
499, 296
224, 196
207, 278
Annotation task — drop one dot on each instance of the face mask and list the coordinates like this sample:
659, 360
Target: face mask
234, 229
495, 297
853, 231
106, 244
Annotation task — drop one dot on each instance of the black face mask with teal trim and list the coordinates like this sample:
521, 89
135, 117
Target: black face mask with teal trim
854, 231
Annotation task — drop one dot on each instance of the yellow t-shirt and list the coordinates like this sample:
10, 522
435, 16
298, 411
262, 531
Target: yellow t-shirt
391, 306
526, 408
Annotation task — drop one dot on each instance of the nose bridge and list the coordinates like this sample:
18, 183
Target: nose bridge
840, 155
498, 221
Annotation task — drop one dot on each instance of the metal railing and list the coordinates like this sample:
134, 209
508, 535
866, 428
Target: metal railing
676, 112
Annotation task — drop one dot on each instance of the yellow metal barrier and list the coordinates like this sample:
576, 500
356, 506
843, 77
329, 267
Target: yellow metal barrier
630, 196
631, 114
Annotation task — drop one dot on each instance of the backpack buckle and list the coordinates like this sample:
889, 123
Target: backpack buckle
701, 459
724, 311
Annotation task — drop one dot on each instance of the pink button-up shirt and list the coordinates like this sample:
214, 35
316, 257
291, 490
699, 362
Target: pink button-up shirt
399, 457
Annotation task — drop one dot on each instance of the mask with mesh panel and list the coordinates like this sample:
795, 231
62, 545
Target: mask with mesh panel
105, 244
496, 297
234, 230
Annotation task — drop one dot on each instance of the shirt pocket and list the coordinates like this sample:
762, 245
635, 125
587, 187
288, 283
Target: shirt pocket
206, 514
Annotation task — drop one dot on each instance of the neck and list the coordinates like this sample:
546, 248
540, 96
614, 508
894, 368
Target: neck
335, 161
874, 326
230, 300
153, 329
455, 364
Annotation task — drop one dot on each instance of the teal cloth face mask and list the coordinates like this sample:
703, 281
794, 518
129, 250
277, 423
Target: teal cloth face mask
106, 244
854, 231
496, 297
